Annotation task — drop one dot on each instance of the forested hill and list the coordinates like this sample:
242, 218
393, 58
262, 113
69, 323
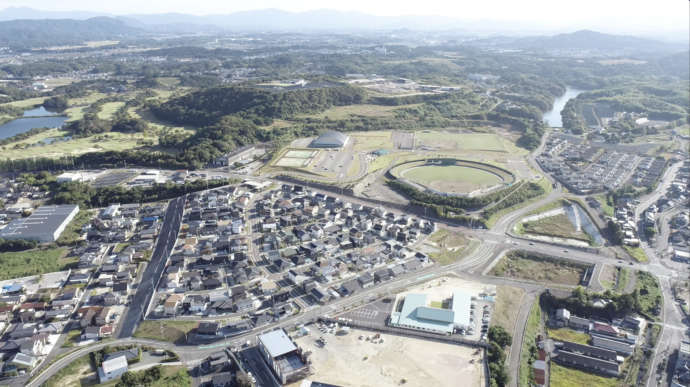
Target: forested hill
261, 106
26, 34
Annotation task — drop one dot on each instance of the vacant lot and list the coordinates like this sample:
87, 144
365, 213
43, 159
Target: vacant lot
569, 377
637, 253
566, 334
32, 262
508, 298
397, 361
460, 141
450, 244
73, 374
172, 331
557, 225
528, 267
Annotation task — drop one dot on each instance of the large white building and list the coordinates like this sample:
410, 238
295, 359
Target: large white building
112, 368
416, 314
45, 224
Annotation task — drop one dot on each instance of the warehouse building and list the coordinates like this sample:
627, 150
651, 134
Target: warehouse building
44, 225
283, 356
415, 314
330, 139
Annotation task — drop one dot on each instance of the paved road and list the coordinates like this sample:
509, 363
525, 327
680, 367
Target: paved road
152, 274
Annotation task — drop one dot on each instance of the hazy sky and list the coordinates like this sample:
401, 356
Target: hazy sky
626, 15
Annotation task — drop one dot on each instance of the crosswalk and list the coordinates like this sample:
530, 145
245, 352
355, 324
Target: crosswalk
480, 255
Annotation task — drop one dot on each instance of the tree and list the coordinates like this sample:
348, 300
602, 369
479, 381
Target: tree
500, 336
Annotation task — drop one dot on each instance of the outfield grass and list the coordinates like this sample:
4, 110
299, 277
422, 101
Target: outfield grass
532, 328
168, 330
569, 377
429, 174
637, 253
108, 109
33, 262
539, 270
567, 334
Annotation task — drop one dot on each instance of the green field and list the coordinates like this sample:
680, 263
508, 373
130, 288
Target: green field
451, 244
569, 377
72, 374
26, 103
33, 262
637, 253
529, 339
115, 141
505, 312
556, 226
567, 334
300, 154
343, 112
461, 141
515, 265
171, 331
108, 109
433, 174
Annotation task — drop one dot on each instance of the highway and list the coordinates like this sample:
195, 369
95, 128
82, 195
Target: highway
145, 290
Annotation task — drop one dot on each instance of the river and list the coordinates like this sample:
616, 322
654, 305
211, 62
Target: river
553, 117
33, 118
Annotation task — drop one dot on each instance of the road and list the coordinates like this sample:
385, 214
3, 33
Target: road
494, 243
145, 290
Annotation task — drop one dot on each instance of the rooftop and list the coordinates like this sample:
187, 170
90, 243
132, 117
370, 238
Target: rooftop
277, 343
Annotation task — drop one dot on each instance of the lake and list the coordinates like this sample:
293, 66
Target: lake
39, 118
553, 117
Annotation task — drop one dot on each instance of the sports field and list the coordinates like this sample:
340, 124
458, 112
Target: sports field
460, 141
452, 178
301, 154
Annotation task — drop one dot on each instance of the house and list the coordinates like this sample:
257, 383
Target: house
172, 303
223, 379
197, 303
91, 333
366, 280
24, 361
112, 368
208, 328
579, 323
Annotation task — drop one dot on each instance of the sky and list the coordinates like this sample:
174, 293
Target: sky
626, 15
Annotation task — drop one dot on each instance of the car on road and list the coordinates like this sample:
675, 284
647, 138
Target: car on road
531, 243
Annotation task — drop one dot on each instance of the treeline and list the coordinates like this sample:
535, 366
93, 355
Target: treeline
581, 303
499, 339
90, 124
260, 106
16, 245
523, 193
87, 196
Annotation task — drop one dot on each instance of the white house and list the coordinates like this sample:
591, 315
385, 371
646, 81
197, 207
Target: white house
112, 368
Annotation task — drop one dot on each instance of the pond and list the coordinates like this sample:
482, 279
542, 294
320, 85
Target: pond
34, 118
579, 218
553, 118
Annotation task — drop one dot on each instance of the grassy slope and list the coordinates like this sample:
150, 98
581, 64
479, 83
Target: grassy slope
172, 331
566, 334
32, 262
505, 311
452, 246
569, 377
528, 340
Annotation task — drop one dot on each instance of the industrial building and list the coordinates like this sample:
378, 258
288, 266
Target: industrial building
283, 356
45, 224
415, 314
330, 139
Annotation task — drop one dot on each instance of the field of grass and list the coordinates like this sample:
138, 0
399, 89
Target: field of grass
540, 270
570, 377
532, 329
108, 109
430, 174
543, 182
505, 310
606, 208
650, 294
171, 376
567, 334
72, 338
71, 374
72, 232
557, 226
171, 331
115, 141
86, 100
370, 141
637, 253
460, 141
75, 113
451, 244
26, 103
343, 112
32, 262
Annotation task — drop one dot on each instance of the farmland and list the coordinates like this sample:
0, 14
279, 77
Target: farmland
540, 269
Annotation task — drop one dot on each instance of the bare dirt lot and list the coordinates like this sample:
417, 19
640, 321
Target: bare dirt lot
348, 361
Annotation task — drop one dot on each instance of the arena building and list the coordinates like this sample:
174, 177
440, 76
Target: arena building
330, 139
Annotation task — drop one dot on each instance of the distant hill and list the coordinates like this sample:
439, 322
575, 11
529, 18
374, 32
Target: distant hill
24, 34
581, 40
